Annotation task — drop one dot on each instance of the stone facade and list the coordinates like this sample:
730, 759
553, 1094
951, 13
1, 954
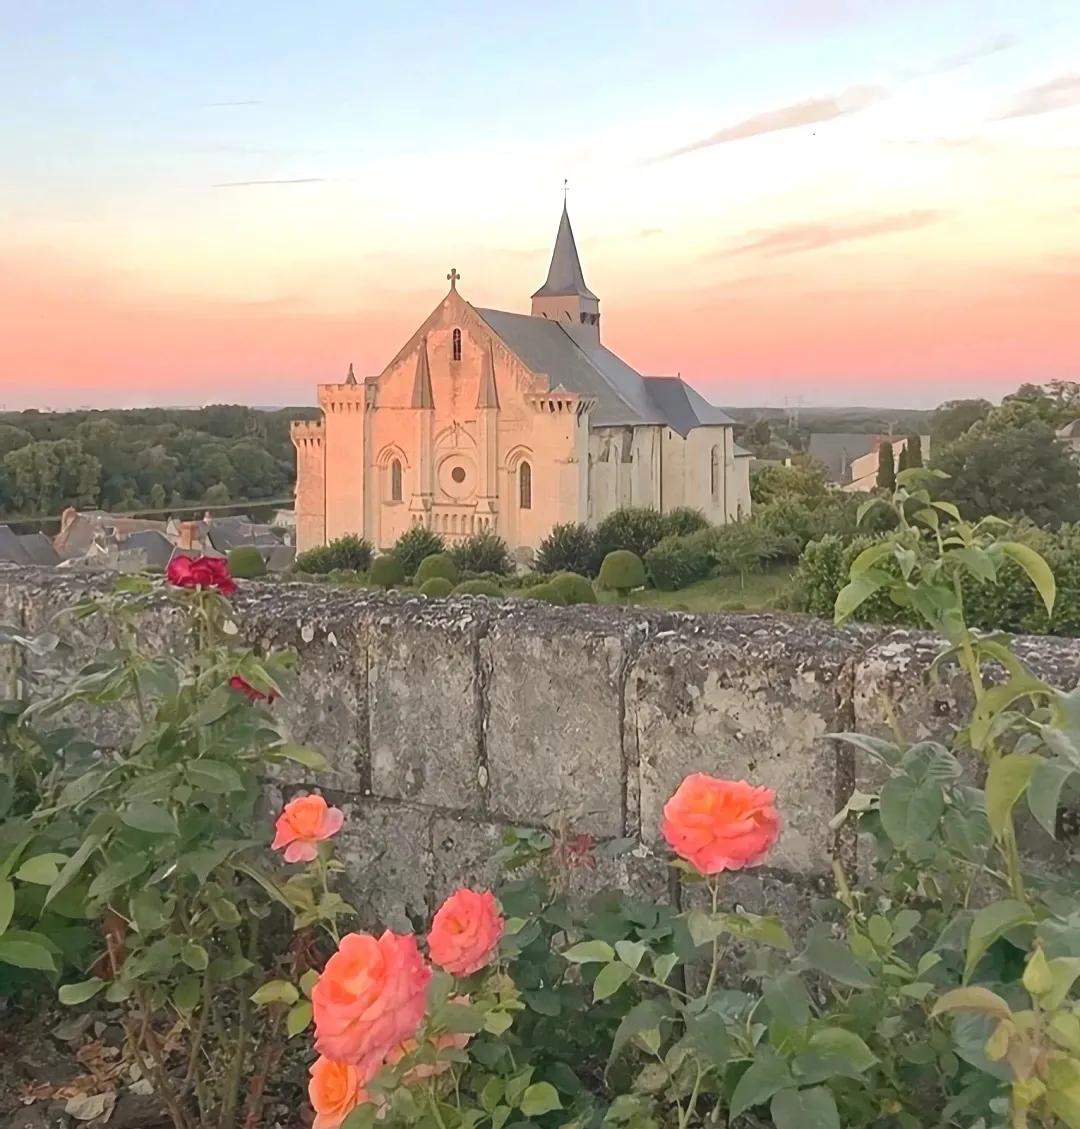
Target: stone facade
448, 721
489, 420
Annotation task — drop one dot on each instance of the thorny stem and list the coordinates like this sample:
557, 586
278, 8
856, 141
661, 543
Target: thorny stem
714, 889
194, 1075
231, 1095
691, 1105
158, 1071
271, 1054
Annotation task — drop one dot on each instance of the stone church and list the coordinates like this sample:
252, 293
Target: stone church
512, 422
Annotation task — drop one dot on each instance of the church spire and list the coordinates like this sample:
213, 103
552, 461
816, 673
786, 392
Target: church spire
488, 395
351, 377
564, 297
421, 395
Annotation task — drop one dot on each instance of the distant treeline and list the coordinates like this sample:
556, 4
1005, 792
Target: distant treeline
145, 458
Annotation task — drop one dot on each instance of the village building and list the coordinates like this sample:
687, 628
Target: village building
510, 422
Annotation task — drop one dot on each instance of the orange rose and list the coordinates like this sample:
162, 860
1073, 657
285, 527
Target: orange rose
335, 1090
719, 825
465, 931
440, 1042
303, 823
369, 998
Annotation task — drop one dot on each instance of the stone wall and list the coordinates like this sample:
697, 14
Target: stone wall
448, 721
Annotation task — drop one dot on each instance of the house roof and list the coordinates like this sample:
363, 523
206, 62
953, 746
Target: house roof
574, 362
564, 275
12, 548
157, 548
39, 549
837, 450
1070, 430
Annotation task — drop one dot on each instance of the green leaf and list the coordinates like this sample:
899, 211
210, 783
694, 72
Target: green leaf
990, 923
151, 818
805, 1109
309, 758
836, 960
855, 593
1044, 792
308, 982
837, 1042
910, 811
41, 870
194, 956
214, 776
276, 992
7, 904
24, 953
1006, 782
589, 952
611, 978
978, 562
540, 1098
1039, 572
186, 996
644, 1016
117, 874
298, 1018
630, 952
788, 1002
767, 1074
72, 994
869, 557
662, 964
73, 866
979, 1001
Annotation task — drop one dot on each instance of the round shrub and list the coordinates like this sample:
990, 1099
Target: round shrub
622, 572
416, 543
478, 588
634, 528
246, 562
436, 587
386, 571
483, 552
437, 565
684, 520
547, 593
574, 589
570, 547
350, 553
678, 562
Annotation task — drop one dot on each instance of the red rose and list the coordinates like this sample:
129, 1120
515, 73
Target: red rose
244, 687
201, 572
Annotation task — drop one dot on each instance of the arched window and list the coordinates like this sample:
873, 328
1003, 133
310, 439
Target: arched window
395, 481
457, 345
714, 473
525, 486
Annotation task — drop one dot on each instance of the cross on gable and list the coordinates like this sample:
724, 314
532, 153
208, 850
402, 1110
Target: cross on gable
452, 278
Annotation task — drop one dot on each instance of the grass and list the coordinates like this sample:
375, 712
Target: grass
718, 594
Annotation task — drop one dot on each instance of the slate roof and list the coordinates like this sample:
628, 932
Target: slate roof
837, 450
157, 548
39, 549
12, 548
564, 275
624, 398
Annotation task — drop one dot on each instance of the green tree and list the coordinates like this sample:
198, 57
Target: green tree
45, 477
954, 417
803, 480
1012, 472
217, 495
12, 438
913, 450
886, 468
157, 496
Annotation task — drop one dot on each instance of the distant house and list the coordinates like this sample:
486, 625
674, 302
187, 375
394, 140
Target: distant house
26, 548
1070, 436
839, 450
865, 468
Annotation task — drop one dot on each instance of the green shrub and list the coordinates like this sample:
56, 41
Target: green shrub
570, 547
547, 593
348, 552
436, 587
246, 562
633, 528
622, 572
521, 580
740, 548
387, 571
574, 589
416, 543
684, 520
483, 552
437, 565
479, 588
678, 562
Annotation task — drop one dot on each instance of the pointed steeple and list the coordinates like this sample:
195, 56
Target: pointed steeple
487, 395
421, 393
351, 378
565, 276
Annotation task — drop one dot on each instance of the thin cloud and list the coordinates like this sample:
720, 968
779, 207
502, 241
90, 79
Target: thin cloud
254, 183
796, 239
987, 47
1057, 94
810, 112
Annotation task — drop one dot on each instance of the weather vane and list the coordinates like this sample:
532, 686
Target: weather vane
565, 188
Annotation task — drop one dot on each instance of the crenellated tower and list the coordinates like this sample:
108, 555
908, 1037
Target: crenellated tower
343, 441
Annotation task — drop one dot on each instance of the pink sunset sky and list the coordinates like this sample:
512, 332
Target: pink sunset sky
835, 202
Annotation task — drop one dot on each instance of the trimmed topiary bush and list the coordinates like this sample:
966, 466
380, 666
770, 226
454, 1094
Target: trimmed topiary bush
386, 571
622, 572
684, 520
634, 528
246, 562
436, 587
479, 588
416, 543
574, 589
350, 553
570, 547
437, 565
483, 552
548, 593
678, 562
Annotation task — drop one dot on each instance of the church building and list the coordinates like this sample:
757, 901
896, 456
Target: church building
511, 422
